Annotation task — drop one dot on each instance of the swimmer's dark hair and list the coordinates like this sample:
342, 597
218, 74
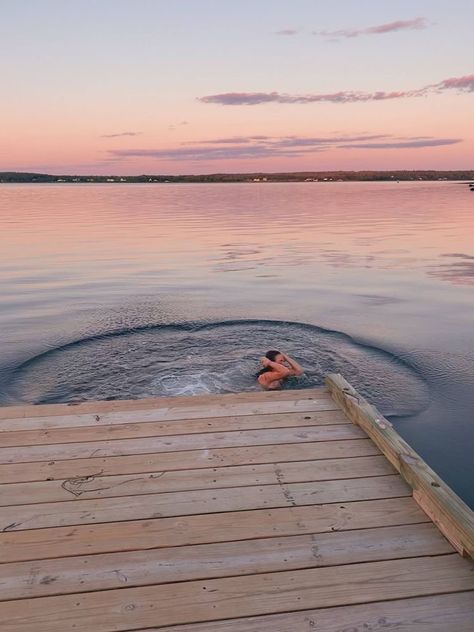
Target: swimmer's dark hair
271, 355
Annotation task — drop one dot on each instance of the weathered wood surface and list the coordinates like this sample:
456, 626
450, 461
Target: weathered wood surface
163, 428
245, 557
175, 411
452, 516
266, 511
156, 403
443, 613
192, 459
214, 599
206, 528
174, 443
187, 480
147, 506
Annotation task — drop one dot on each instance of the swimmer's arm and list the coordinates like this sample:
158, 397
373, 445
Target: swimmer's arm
277, 372
296, 369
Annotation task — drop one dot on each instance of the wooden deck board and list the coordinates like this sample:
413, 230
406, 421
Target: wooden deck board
185, 410
443, 613
185, 460
163, 428
175, 443
166, 504
188, 480
235, 513
230, 597
155, 403
206, 528
244, 557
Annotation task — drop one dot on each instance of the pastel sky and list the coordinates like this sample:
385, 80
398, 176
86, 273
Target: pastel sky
206, 86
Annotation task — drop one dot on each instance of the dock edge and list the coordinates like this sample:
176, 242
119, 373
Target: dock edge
443, 506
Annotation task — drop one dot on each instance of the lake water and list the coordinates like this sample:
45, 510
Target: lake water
125, 291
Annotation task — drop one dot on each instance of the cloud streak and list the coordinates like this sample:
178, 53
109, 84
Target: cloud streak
254, 147
415, 24
465, 83
287, 32
173, 126
407, 144
458, 84
120, 134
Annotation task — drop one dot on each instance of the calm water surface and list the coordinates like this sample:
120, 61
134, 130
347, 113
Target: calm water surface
124, 291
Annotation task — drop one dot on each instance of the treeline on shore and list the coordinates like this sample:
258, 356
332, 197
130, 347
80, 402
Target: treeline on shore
305, 176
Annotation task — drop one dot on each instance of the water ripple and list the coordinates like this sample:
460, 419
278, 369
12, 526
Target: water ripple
217, 357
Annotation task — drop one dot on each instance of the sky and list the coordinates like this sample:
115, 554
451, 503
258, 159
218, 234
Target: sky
209, 86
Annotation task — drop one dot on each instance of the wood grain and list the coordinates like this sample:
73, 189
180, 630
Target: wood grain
164, 428
214, 599
173, 411
443, 613
36, 544
159, 566
127, 405
192, 459
452, 516
174, 443
186, 480
142, 507
244, 512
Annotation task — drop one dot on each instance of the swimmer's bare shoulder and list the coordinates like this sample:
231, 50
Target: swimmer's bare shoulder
278, 372
269, 383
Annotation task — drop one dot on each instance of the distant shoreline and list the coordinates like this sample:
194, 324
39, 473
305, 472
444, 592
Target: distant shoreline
301, 176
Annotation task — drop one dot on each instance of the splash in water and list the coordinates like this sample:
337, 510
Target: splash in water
219, 357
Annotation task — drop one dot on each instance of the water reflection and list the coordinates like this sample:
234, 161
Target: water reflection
459, 271
95, 232
390, 264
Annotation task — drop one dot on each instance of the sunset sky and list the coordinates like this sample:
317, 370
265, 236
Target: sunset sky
205, 86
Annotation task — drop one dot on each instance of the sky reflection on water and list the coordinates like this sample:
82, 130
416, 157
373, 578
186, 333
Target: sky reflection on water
390, 264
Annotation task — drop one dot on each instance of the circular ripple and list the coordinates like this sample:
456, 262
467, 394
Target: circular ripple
216, 357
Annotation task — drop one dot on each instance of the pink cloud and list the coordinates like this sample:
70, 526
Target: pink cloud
465, 84
379, 29
461, 84
120, 134
255, 147
256, 98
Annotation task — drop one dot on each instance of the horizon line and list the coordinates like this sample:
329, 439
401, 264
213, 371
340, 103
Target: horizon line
230, 173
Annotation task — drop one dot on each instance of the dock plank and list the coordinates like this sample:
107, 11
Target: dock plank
176, 411
163, 428
174, 443
154, 403
110, 537
146, 506
214, 599
443, 613
191, 459
187, 480
160, 566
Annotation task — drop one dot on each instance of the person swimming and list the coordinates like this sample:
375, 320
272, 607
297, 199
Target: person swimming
277, 366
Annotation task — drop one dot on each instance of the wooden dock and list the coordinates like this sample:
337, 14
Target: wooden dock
291, 511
